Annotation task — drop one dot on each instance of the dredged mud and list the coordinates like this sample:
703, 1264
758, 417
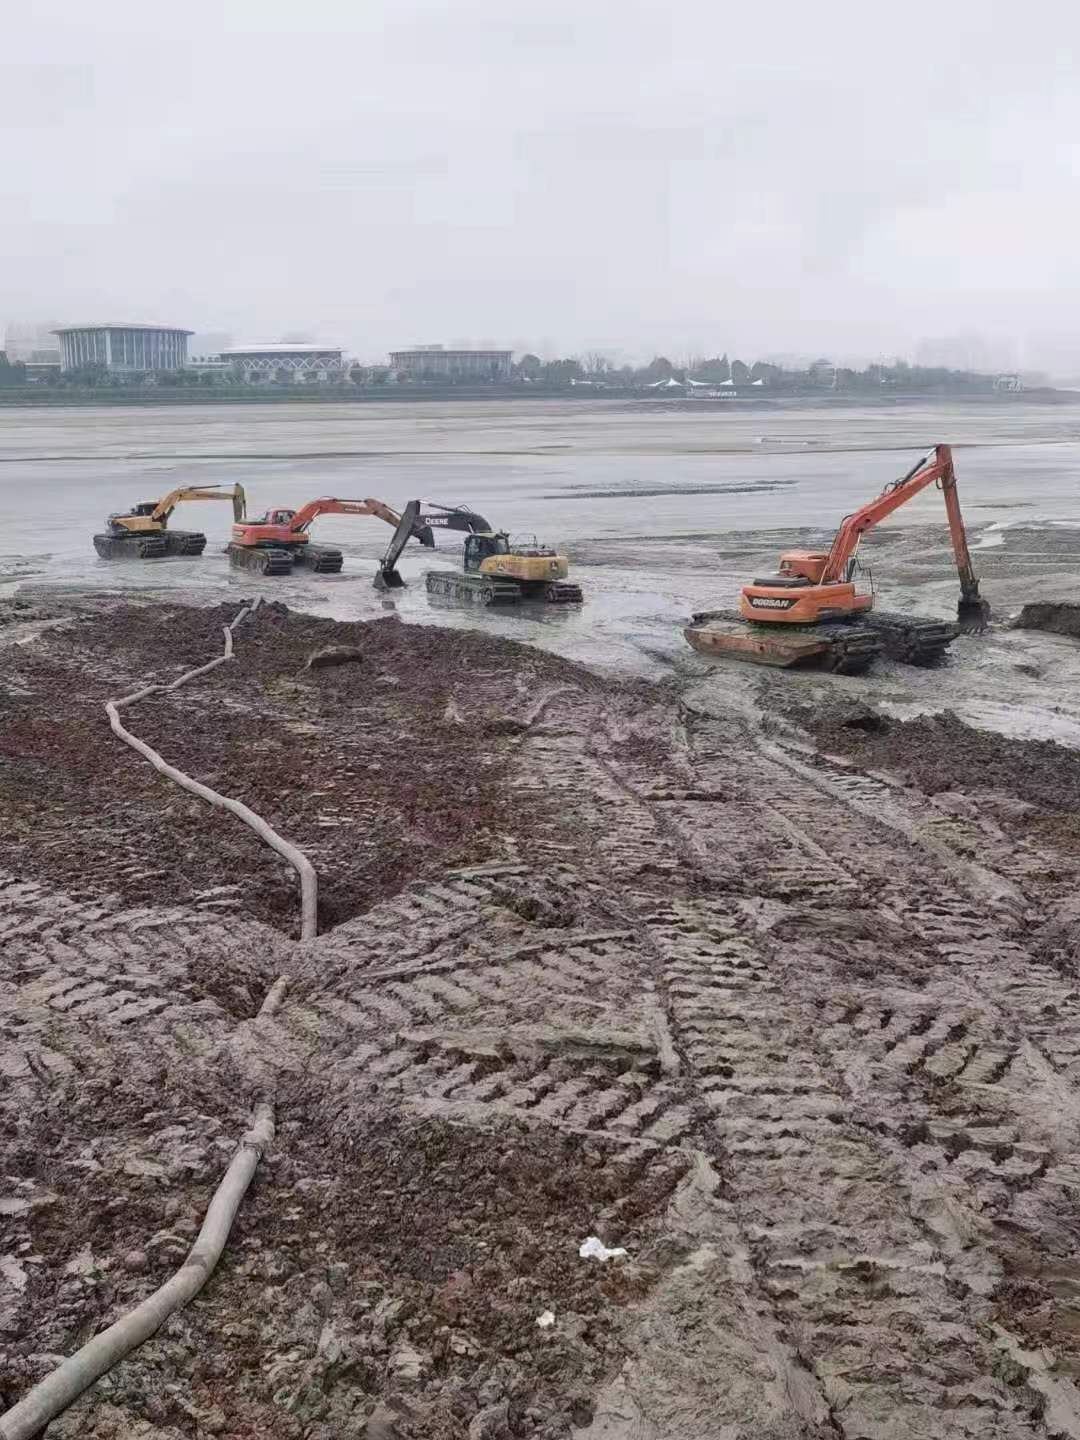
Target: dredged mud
802, 1037
383, 768
1057, 617
1031, 787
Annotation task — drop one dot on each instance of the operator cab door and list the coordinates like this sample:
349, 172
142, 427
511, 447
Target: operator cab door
479, 547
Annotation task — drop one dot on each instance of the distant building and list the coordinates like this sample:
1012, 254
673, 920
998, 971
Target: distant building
285, 363
433, 362
208, 364
132, 348
1012, 383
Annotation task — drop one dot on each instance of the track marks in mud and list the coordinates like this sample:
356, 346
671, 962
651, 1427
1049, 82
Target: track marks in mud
822, 1200
722, 962
82, 979
874, 1155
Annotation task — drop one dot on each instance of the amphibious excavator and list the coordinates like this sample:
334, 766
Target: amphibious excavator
812, 612
142, 533
278, 540
495, 569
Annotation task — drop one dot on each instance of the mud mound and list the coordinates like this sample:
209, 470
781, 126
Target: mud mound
1056, 617
383, 771
158, 639
938, 753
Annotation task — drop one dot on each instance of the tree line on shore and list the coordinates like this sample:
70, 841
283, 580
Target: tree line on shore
593, 370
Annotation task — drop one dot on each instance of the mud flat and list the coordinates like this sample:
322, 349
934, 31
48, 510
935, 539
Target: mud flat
791, 1018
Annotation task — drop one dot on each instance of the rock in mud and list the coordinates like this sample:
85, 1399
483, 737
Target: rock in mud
334, 655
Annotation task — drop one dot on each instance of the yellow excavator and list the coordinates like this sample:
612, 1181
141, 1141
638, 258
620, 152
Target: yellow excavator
495, 571
142, 533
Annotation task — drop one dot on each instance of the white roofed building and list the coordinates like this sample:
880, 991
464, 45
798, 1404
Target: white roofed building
123, 347
285, 363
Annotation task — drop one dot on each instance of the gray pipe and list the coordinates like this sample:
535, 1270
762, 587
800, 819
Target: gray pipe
57, 1391
309, 884
52, 1396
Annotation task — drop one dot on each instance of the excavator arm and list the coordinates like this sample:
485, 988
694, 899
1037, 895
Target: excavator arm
972, 611
164, 507
330, 505
419, 522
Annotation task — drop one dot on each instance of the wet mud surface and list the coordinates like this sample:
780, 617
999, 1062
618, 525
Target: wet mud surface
1033, 786
383, 768
791, 1016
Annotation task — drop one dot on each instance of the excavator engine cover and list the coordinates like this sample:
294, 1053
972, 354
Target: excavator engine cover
793, 600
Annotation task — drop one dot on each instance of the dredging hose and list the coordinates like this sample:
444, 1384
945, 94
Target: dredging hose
63, 1386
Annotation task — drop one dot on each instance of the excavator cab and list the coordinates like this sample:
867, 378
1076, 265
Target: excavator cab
808, 565
273, 517
479, 548
119, 522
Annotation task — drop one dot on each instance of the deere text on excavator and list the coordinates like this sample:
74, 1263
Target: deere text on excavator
495, 571
142, 533
278, 540
812, 612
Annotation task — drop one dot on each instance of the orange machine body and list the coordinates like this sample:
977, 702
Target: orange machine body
815, 585
289, 527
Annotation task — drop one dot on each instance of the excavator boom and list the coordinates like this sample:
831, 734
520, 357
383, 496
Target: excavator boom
896, 493
330, 505
273, 543
418, 521
164, 507
973, 613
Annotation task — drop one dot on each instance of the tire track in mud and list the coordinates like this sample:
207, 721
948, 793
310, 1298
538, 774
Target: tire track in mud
462, 1023
865, 1231
82, 979
871, 1078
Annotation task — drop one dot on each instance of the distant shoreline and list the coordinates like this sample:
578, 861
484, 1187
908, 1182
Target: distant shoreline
41, 397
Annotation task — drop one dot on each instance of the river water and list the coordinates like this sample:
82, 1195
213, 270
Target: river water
662, 509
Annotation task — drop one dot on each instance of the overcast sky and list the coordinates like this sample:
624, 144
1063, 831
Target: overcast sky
841, 177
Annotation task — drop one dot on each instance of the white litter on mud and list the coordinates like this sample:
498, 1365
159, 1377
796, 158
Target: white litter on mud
594, 1249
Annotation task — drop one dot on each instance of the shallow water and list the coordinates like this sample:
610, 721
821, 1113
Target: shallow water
661, 510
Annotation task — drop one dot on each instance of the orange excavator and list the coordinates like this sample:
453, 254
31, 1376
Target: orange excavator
812, 610
278, 540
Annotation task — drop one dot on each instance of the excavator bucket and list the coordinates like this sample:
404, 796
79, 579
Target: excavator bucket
972, 614
239, 503
388, 578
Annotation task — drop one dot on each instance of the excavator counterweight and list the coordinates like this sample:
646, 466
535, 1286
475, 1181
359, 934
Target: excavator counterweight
812, 610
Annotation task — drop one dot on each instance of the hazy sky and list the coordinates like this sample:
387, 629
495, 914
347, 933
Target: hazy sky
598, 175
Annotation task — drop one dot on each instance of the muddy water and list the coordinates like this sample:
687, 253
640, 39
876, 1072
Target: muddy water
662, 510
